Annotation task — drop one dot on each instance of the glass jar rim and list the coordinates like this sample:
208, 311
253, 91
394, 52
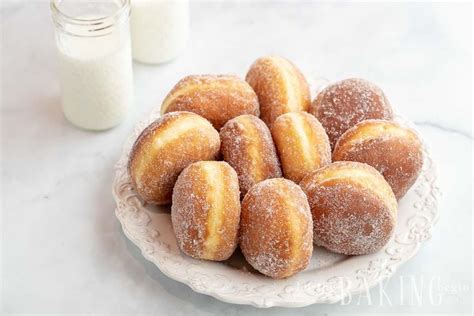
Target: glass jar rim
96, 24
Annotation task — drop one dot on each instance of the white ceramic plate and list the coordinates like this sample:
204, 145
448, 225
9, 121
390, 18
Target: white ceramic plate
329, 278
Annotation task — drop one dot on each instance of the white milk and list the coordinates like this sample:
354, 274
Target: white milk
159, 28
96, 81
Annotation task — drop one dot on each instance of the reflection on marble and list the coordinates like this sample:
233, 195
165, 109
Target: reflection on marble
63, 250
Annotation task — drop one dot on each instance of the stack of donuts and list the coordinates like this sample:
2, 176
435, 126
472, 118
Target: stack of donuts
255, 164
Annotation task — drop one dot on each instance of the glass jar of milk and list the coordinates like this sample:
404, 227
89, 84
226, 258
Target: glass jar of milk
160, 29
95, 61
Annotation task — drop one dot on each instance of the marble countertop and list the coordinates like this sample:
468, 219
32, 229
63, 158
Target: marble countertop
63, 251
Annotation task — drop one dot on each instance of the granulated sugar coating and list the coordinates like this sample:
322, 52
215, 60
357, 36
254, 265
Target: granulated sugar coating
280, 87
394, 150
206, 210
248, 147
165, 148
354, 209
276, 228
218, 98
302, 144
343, 104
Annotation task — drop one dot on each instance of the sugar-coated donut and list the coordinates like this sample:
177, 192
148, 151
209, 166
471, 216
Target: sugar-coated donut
301, 143
217, 98
354, 209
394, 150
280, 87
165, 148
248, 147
276, 228
345, 103
206, 210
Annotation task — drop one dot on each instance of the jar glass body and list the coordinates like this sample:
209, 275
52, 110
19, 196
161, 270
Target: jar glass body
160, 29
94, 59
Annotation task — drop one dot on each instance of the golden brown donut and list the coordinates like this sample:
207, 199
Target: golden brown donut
280, 87
248, 147
301, 143
354, 209
276, 228
395, 151
345, 103
206, 210
165, 148
217, 98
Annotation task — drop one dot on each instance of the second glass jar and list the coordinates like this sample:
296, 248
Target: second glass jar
159, 28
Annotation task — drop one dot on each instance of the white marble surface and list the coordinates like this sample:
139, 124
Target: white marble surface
62, 248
